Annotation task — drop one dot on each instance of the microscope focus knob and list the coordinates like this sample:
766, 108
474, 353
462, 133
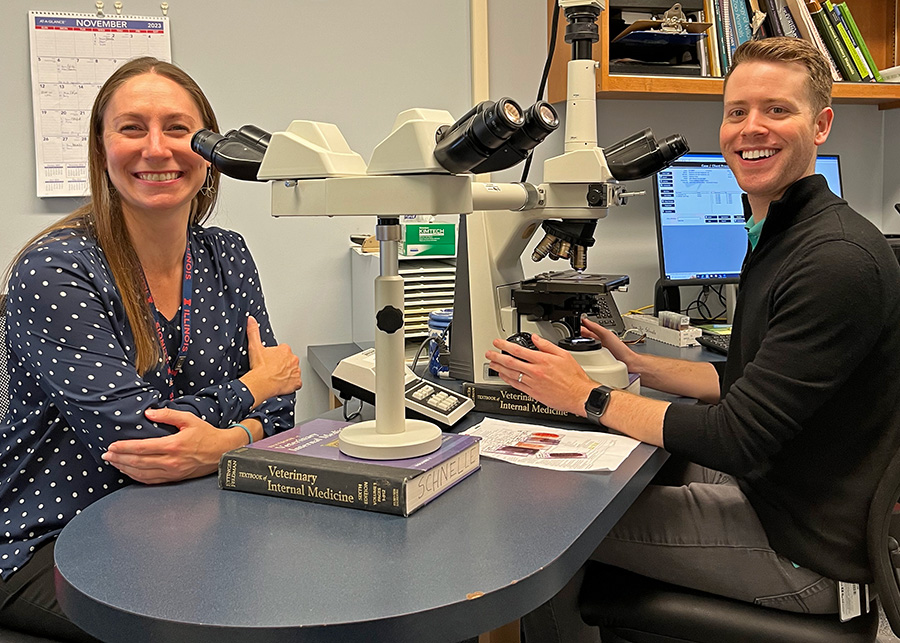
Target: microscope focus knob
389, 319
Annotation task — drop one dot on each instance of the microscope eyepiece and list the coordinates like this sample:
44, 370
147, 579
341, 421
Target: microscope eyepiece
478, 134
540, 120
237, 154
641, 155
204, 142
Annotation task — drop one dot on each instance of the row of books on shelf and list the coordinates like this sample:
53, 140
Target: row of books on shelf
829, 26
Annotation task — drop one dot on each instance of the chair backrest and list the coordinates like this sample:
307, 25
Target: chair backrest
884, 552
4, 368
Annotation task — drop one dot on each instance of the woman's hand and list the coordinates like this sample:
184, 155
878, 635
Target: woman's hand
550, 374
273, 370
192, 452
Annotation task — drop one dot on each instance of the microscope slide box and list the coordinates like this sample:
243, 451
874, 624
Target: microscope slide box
650, 326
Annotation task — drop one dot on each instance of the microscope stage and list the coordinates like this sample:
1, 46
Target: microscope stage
572, 281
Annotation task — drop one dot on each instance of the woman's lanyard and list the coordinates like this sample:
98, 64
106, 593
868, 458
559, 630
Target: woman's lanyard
186, 293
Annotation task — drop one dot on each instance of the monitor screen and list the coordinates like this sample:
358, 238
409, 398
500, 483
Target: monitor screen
700, 218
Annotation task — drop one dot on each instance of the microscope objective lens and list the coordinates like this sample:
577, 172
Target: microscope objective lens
578, 258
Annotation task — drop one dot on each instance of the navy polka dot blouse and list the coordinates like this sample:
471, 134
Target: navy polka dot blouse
74, 388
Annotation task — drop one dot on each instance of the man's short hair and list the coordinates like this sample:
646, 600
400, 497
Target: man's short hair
790, 50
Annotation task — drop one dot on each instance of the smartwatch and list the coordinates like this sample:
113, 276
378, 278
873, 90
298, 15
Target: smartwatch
597, 402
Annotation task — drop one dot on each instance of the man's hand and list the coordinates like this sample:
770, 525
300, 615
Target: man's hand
681, 377
273, 370
610, 341
192, 452
553, 377
550, 374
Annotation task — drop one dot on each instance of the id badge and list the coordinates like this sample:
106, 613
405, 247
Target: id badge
849, 600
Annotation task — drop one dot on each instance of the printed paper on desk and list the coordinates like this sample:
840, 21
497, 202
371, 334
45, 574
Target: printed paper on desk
534, 445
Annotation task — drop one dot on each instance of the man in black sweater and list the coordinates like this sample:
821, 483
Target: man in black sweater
802, 423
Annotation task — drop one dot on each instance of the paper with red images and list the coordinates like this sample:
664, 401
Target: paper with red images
534, 445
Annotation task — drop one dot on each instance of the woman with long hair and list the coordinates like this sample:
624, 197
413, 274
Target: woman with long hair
139, 343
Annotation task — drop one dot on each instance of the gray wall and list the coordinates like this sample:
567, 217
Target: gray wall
358, 63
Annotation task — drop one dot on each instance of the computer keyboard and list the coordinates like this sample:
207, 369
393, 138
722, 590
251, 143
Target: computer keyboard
718, 343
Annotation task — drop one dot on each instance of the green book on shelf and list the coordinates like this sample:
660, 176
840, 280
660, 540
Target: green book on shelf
854, 30
833, 42
849, 42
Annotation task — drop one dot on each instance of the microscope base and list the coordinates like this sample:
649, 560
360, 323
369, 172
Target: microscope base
602, 367
362, 440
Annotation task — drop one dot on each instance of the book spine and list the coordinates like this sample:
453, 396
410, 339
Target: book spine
741, 20
506, 400
720, 36
257, 471
809, 32
833, 42
854, 31
787, 22
772, 18
702, 45
855, 54
715, 62
728, 28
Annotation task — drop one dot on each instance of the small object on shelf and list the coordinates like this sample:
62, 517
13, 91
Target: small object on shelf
366, 242
693, 31
674, 19
655, 47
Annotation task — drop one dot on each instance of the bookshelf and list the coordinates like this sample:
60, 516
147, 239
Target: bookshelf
878, 21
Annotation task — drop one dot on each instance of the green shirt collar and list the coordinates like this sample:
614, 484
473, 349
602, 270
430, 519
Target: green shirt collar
753, 231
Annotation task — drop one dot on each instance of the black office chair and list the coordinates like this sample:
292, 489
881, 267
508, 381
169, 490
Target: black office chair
629, 608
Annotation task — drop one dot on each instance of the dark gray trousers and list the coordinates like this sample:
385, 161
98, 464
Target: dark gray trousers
699, 532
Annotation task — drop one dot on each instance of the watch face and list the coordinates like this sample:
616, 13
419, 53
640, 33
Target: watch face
597, 401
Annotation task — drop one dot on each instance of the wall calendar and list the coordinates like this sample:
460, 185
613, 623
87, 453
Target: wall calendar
72, 55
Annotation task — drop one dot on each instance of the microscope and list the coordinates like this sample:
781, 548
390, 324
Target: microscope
426, 166
493, 298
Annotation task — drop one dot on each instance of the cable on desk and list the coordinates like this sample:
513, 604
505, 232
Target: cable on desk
638, 311
441, 346
637, 340
355, 414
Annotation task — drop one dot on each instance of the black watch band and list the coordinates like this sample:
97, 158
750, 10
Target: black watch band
597, 403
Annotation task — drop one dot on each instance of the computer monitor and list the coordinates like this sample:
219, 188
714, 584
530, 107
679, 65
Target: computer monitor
700, 220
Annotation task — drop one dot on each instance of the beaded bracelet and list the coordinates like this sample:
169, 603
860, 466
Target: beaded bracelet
246, 430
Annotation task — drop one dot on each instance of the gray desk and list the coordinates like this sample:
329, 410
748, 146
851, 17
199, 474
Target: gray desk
188, 562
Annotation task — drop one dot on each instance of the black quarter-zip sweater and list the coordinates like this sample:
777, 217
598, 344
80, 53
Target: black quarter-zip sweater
810, 410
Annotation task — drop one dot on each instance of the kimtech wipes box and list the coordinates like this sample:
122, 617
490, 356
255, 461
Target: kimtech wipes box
428, 239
